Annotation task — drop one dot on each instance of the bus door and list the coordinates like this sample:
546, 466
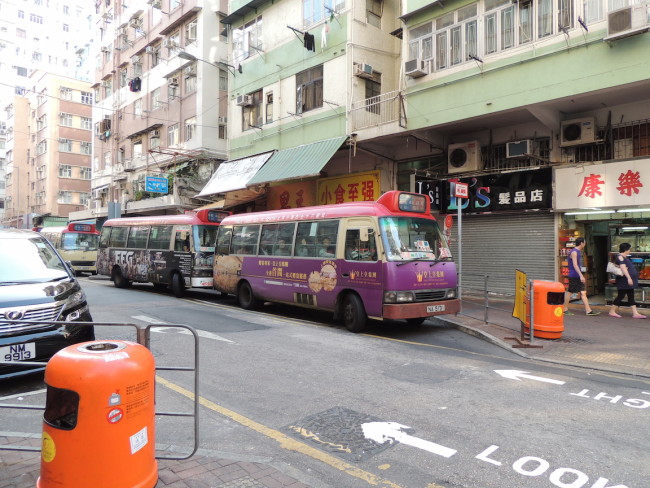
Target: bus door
361, 266
182, 255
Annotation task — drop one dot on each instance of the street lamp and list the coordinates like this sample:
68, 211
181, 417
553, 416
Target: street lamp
191, 57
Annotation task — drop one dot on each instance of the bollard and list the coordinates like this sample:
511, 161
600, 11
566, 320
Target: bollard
548, 304
99, 420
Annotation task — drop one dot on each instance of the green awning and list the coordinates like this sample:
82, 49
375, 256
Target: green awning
298, 162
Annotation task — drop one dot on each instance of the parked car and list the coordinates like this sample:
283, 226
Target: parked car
37, 287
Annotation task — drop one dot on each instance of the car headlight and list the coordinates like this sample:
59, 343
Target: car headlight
398, 297
451, 293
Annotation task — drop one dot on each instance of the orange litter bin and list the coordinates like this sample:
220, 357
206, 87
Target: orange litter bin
99, 420
548, 307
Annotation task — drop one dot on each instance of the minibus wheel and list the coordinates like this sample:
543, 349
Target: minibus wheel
354, 313
245, 296
178, 286
119, 280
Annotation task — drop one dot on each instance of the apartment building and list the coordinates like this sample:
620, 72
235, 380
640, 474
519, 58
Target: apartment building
351, 98
3, 169
43, 35
160, 107
48, 150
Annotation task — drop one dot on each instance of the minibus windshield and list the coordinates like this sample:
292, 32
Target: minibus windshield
412, 238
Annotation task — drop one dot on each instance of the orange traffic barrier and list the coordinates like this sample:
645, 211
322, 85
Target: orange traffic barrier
548, 307
99, 420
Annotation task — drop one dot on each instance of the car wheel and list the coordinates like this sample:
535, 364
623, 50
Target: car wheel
178, 285
246, 298
354, 313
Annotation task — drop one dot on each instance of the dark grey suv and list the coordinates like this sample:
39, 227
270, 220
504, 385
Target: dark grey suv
36, 287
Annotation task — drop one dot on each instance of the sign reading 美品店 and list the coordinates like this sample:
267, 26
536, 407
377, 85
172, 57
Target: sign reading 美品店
620, 184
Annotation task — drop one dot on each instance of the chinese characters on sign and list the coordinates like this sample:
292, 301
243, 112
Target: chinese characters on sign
291, 195
623, 184
358, 187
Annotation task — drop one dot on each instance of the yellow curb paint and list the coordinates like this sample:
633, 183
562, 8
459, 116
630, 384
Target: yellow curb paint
285, 441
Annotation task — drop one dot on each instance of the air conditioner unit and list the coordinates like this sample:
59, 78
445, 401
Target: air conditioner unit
155, 4
627, 21
190, 71
173, 82
105, 49
363, 71
578, 131
148, 49
244, 100
170, 43
223, 120
107, 16
155, 133
519, 149
136, 59
464, 157
135, 23
416, 68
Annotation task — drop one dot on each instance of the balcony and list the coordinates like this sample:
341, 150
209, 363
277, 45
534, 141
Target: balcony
383, 109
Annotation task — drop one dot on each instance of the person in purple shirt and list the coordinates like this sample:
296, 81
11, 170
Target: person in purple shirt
576, 278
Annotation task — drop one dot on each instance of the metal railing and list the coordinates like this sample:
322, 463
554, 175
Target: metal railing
479, 290
143, 334
375, 111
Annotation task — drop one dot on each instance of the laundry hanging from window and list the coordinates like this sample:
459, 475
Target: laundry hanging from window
310, 42
135, 84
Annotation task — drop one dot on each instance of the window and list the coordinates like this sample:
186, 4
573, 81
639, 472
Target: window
317, 238
86, 173
154, 141
526, 21
593, 11
223, 80
269, 107
35, 18
65, 145
22, 33
41, 148
155, 99
21, 14
190, 32
84, 198
108, 87
65, 171
65, 119
86, 98
565, 14
309, 89
65, 197
373, 12
124, 75
117, 236
173, 4
544, 18
190, 128
138, 237
277, 240
373, 89
155, 55
244, 239
252, 115
86, 148
172, 135
314, 11
86, 123
137, 108
160, 236
190, 84
499, 25
66, 10
137, 148
36, 56
174, 42
66, 28
223, 131
246, 36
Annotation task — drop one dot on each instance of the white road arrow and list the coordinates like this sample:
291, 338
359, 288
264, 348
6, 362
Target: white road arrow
513, 374
382, 432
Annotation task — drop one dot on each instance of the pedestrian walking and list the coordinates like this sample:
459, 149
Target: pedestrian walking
577, 278
626, 283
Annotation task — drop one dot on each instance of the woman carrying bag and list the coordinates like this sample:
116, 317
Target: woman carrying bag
626, 283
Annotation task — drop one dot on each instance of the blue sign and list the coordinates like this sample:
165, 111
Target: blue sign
156, 184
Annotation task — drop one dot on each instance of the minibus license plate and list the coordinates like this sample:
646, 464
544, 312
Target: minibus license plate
435, 308
18, 352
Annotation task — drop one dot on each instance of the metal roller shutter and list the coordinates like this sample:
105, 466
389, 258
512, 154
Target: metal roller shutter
496, 245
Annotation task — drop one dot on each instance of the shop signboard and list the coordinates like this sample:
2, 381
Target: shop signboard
520, 190
622, 184
157, 184
432, 188
356, 187
291, 195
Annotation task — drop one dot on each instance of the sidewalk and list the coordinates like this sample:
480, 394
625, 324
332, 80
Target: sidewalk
601, 343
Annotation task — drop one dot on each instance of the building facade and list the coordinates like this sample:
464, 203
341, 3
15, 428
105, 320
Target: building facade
48, 150
160, 108
347, 98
